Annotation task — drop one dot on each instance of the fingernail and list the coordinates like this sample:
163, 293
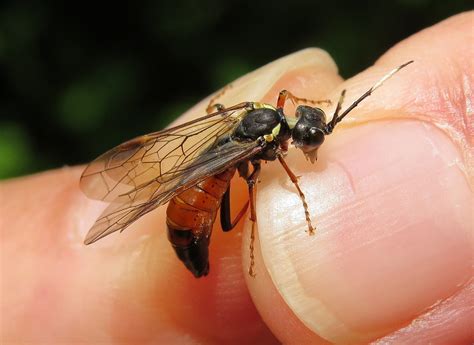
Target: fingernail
255, 85
391, 205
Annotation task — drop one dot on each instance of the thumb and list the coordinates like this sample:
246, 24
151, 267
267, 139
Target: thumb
391, 203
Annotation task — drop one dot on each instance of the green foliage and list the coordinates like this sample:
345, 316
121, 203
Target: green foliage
16, 154
86, 103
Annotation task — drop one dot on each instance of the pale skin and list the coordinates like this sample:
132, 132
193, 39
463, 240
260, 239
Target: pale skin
390, 197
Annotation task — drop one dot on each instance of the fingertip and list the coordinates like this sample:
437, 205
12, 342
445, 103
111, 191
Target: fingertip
383, 254
391, 204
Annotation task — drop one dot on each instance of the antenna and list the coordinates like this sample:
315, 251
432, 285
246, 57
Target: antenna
337, 118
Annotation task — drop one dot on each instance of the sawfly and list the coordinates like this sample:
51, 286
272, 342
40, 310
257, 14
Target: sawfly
190, 167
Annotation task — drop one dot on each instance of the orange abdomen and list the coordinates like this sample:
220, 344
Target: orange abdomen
190, 218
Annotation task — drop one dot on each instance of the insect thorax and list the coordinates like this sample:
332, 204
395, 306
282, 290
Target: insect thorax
264, 123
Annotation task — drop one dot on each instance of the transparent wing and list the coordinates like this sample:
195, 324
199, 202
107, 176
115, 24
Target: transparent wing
159, 159
146, 172
120, 215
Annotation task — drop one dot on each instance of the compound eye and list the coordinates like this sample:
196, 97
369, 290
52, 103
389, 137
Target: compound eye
311, 137
308, 131
315, 138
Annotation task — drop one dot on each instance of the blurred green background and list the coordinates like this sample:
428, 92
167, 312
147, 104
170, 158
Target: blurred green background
79, 78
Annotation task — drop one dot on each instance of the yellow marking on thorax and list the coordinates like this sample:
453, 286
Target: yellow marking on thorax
275, 131
260, 105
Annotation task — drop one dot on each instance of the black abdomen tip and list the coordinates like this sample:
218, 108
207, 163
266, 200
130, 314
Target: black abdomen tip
193, 252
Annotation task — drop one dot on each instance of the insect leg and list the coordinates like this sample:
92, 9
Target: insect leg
213, 106
226, 223
251, 182
294, 179
287, 95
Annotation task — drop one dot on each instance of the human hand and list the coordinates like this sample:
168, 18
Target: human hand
390, 196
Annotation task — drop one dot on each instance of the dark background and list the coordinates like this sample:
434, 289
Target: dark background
78, 79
